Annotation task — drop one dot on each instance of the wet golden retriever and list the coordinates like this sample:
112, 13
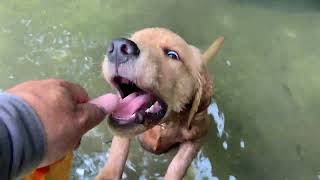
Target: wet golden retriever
165, 89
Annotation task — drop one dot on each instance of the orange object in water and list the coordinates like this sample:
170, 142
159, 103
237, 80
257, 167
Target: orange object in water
39, 174
59, 170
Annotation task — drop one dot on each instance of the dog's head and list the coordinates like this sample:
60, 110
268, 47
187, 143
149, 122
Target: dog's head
157, 74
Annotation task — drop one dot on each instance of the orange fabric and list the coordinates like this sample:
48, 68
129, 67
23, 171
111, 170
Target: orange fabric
59, 170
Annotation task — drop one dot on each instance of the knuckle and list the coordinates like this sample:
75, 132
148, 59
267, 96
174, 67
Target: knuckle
60, 96
58, 82
60, 92
88, 117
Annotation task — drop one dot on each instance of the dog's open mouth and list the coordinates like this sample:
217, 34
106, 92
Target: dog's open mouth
137, 105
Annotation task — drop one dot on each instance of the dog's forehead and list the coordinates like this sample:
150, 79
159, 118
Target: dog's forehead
159, 37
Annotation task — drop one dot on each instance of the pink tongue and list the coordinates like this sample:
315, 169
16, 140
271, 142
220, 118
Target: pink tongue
129, 105
107, 102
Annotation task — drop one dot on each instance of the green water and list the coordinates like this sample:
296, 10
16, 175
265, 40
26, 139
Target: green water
267, 76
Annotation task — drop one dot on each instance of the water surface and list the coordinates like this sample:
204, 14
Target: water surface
267, 76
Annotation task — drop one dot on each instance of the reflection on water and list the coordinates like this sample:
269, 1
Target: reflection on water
85, 165
217, 116
203, 167
267, 76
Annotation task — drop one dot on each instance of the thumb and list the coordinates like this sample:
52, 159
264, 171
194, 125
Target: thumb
89, 116
92, 113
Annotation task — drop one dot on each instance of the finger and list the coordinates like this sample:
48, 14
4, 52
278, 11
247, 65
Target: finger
107, 102
76, 146
88, 116
77, 92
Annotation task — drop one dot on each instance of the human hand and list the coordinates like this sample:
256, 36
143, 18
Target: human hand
64, 111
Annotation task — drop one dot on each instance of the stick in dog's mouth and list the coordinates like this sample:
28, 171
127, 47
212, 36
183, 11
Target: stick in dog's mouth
137, 106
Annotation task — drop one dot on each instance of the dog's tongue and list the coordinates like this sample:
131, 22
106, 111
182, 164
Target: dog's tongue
108, 102
131, 104
124, 108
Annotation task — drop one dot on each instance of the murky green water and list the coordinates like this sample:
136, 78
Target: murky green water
267, 76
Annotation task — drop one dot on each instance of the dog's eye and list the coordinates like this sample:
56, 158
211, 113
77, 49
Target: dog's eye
172, 54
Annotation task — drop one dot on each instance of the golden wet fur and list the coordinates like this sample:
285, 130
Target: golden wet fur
184, 85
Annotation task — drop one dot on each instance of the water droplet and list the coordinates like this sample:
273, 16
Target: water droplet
290, 33
4, 30
218, 117
11, 77
131, 166
228, 63
26, 22
40, 39
225, 145
202, 167
241, 144
80, 171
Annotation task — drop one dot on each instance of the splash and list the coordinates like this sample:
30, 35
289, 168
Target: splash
218, 117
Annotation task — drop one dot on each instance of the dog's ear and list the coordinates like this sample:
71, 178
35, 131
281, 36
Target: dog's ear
204, 89
212, 50
203, 94
196, 101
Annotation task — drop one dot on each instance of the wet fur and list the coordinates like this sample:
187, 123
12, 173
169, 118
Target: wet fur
184, 85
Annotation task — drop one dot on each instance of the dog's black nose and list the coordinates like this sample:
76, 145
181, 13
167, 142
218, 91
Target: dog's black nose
122, 50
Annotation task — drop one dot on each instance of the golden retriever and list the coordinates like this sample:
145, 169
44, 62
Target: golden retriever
165, 89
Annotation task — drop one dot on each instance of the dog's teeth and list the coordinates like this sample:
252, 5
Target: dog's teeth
150, 109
